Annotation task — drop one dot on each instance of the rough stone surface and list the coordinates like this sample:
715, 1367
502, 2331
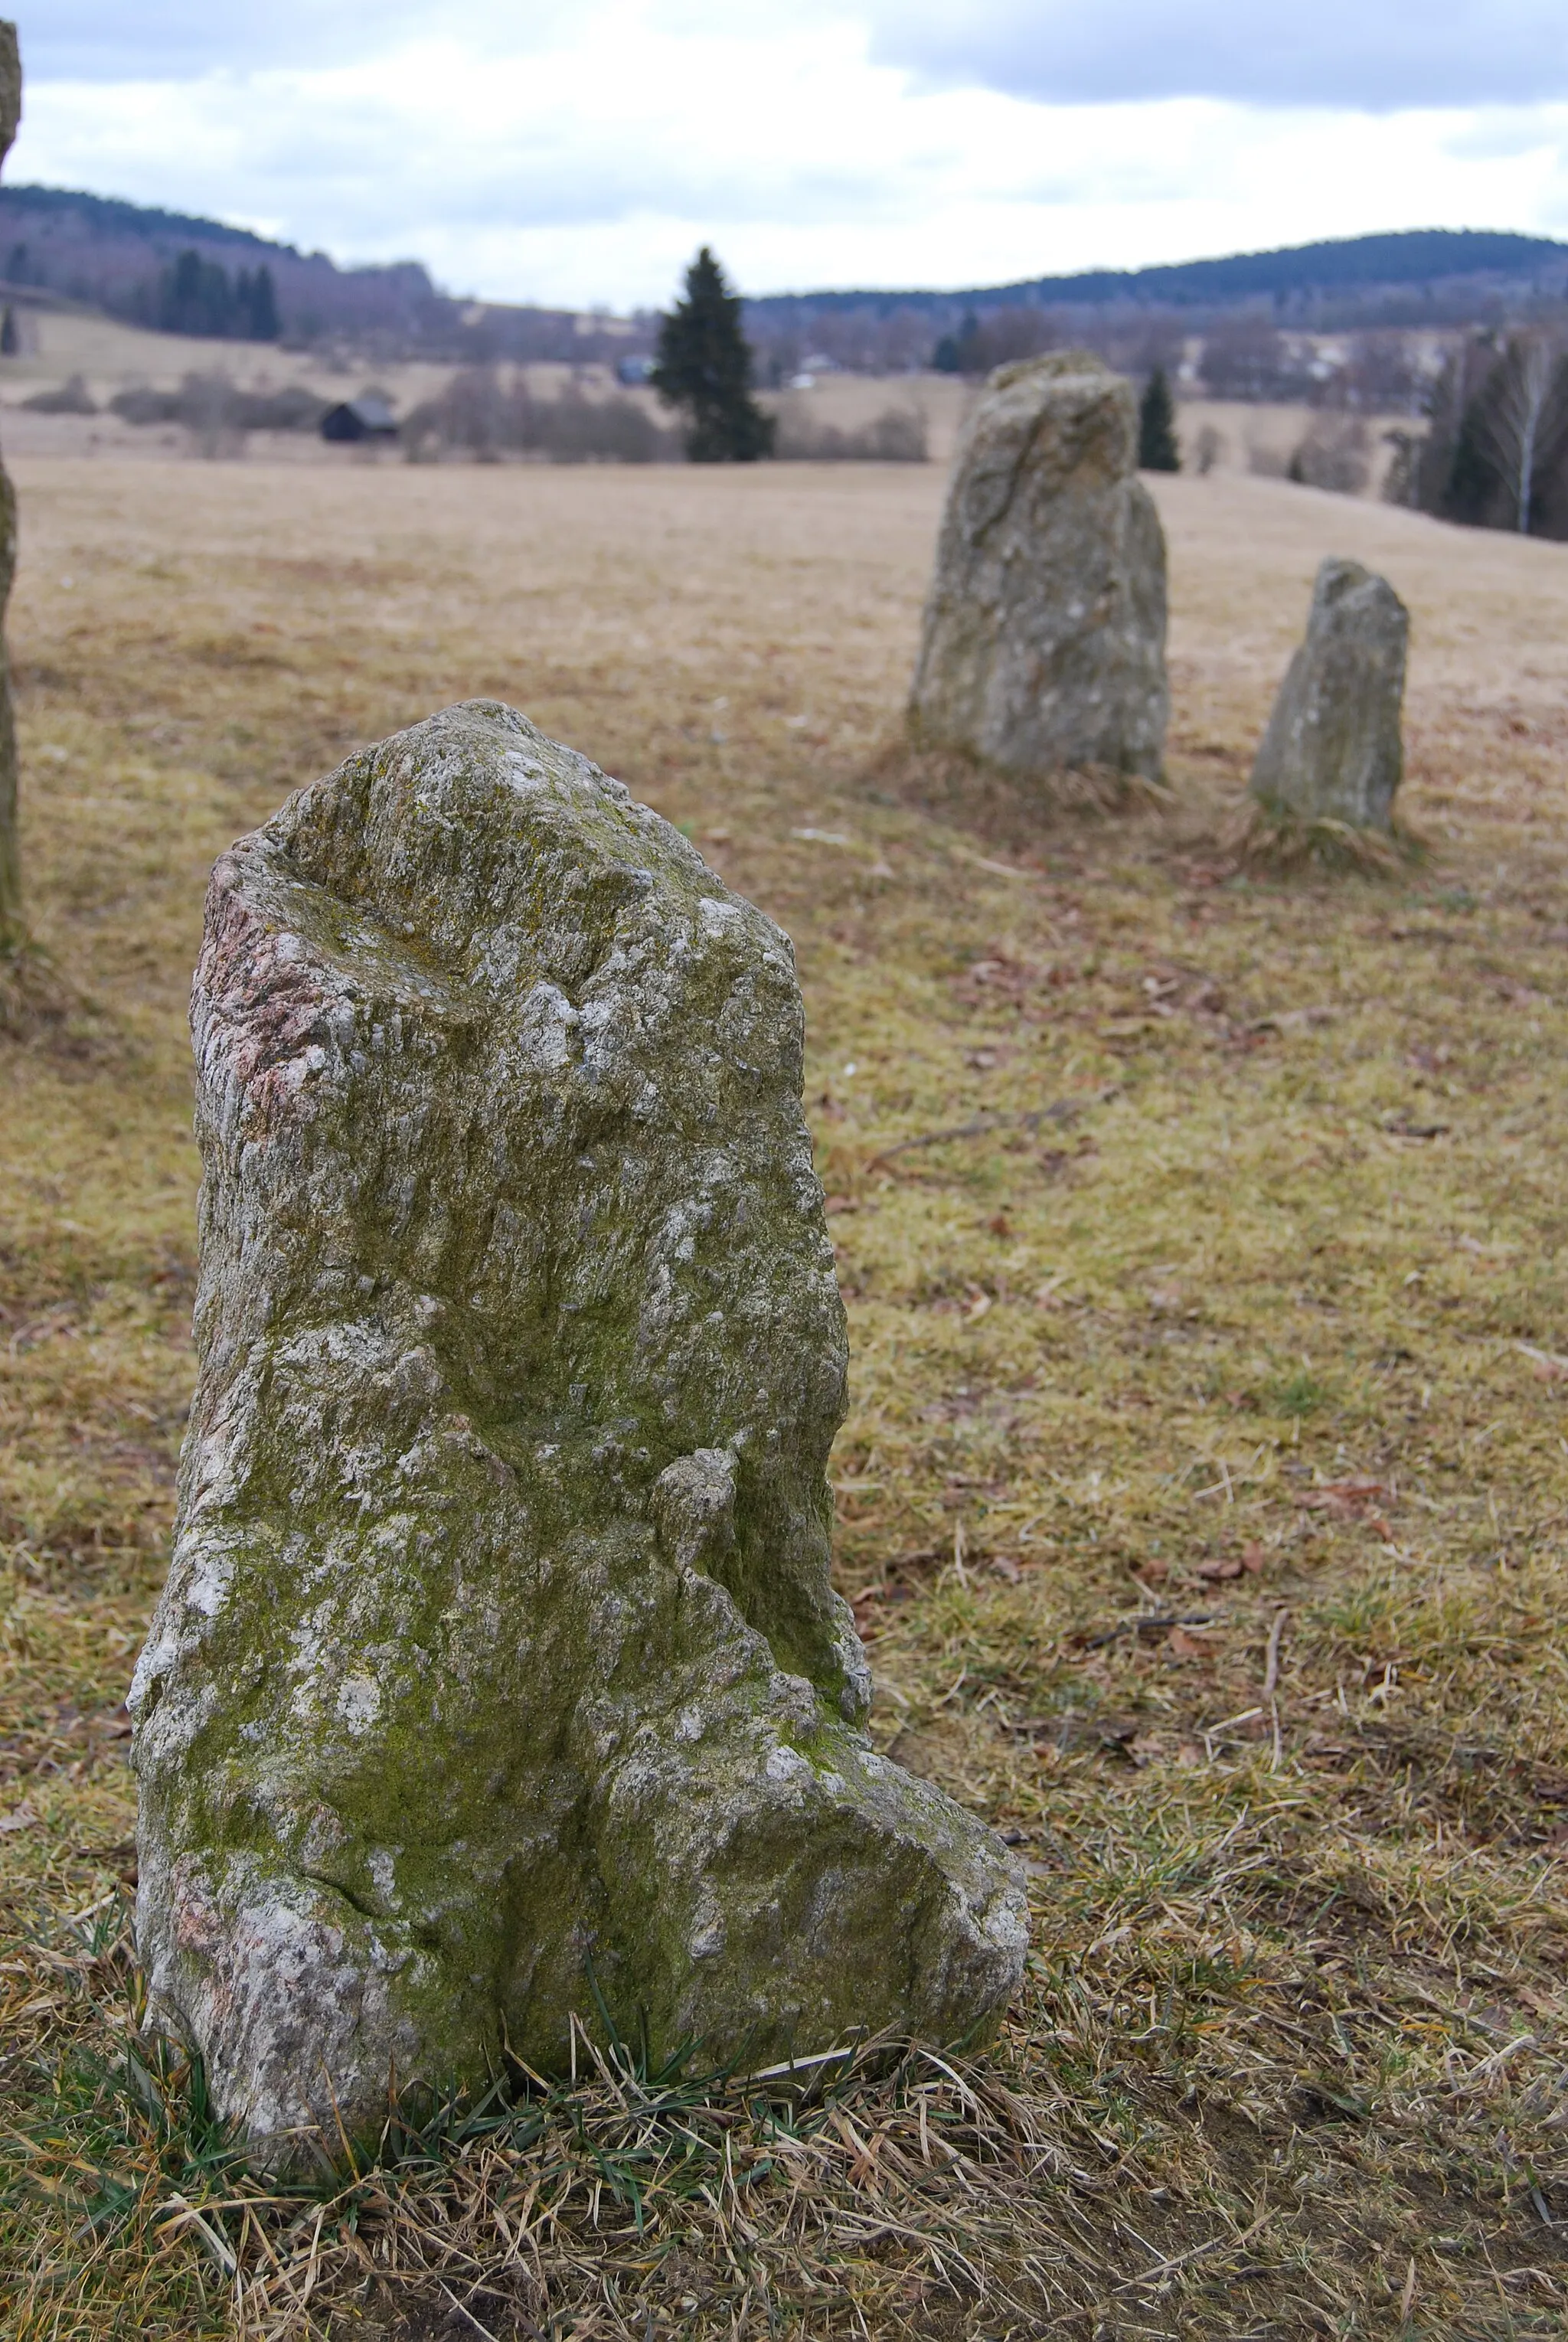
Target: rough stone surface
10, 86
498, 1672
1333, 750
1044, 640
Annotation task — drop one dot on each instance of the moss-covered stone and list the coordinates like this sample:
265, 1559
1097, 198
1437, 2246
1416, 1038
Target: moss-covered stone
1334, 750
499, 1677
1044, 647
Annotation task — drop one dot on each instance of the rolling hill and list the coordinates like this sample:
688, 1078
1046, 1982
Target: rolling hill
113, 255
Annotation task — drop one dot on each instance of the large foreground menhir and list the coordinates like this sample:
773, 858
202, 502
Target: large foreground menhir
498, 1677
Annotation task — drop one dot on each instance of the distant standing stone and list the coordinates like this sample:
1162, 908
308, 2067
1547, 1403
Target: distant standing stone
1045, 637
499, 1677
1333, 750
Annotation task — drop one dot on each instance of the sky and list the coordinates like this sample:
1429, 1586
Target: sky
576, 152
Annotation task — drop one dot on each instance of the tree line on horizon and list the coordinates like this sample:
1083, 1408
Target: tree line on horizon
198, 296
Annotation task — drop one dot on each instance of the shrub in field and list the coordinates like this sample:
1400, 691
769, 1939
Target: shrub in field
202, 400
1334, 455
896, 436
483, 416
218, 413
71, 397
215, 409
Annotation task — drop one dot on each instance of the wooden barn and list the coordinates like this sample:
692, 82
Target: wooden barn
355, 419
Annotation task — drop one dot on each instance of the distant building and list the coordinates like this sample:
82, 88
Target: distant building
359, 419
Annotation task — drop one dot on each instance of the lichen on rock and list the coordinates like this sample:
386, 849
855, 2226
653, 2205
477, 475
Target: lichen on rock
1334, 750
498, 1679
1043, 650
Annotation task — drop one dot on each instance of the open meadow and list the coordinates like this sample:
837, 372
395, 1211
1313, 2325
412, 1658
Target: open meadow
1204, 1496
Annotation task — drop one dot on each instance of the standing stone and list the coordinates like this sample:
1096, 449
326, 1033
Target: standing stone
1333, 750
498, 1675
1044, 641
12, 930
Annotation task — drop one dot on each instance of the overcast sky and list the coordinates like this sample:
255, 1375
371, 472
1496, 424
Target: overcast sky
575, 154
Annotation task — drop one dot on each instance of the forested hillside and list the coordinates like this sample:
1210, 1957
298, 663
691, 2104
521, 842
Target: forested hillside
124, 258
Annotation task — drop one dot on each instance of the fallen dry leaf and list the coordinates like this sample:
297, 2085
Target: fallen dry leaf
1348, 1498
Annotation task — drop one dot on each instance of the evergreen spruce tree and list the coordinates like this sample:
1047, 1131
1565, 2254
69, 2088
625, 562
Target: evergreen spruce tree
263, 317
704, 368
195, 296
1157, 448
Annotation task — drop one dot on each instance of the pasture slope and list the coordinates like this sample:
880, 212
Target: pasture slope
1204, 1500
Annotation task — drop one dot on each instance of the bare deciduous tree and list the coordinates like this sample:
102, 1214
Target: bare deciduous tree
1513, 418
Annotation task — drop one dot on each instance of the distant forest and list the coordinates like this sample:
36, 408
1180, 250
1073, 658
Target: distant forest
1418, 270
193, 295
188, 274
191, 276
1245, 308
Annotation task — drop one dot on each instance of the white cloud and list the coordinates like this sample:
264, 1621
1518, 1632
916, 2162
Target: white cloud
105, 41
1375, 55
579, 156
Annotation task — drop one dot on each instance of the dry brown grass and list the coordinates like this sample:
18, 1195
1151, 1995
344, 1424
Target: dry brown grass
1204, 1495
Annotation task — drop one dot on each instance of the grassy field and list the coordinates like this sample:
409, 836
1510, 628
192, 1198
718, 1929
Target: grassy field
1204, 1499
